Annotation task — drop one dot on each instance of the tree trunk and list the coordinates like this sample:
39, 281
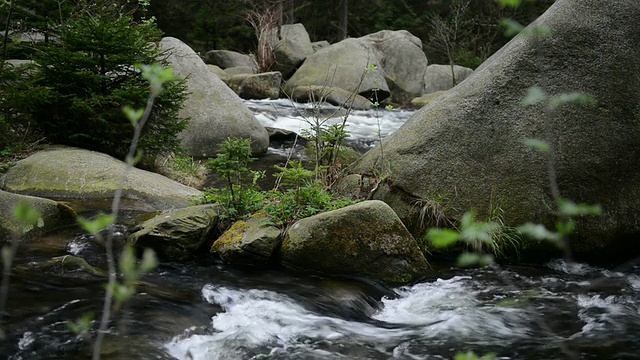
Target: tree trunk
344, 20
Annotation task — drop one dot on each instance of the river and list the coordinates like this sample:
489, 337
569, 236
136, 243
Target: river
207, 310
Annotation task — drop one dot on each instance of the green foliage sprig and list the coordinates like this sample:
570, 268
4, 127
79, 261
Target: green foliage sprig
298, 197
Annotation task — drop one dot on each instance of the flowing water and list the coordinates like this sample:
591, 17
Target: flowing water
209, 311
206, 310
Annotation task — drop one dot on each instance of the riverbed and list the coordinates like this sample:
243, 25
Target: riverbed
207, 310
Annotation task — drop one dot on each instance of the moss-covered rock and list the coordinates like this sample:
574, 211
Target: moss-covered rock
53, 214
250, 242
71, 173
366, 239
179, 233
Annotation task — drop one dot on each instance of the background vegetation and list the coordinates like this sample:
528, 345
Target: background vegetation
222, 24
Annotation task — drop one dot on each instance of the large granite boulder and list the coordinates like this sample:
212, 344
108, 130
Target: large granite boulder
400, 55
228, 59
71, 173
467, 145
214, 111
440, 78
52, 214
350, 64
366, 239
178, 234
248, 242
292, 48
257, 86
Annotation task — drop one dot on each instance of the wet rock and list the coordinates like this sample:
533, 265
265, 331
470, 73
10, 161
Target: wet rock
366, 239
250, 242
257, 86
52, 214
178, 234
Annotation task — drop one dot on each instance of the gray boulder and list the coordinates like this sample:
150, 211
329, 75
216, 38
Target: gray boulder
317, 45
214, 111
425, 99
257, 86
400, 54
345, 65
52, 214
366, 239
71, 173
223, 75
440, 78
250, 242
228, 59
331, 95
179, 233
19, 62
467, 146
292, 48
240, 70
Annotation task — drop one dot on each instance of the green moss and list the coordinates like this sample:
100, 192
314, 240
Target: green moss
231, 237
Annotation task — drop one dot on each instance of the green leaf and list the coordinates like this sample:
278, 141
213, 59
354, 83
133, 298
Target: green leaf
509, 3
134, 115
82, 325
122, 292
149, 261
534, 96
569, 208
537, 144
127, 263
571, 98
473, 259
538, 232
101, 222
26, 214
511, 27
156, 75
565, 227
470, 355
443, 238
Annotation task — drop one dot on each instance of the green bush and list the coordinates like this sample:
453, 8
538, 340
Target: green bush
240, 198
467, 58
83, 80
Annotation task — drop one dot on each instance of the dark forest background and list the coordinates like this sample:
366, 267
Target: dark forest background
471, 27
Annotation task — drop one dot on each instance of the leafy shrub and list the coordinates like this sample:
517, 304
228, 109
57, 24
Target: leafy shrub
83, 80
240, 198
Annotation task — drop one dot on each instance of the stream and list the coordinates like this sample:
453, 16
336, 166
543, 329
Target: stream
207, 310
